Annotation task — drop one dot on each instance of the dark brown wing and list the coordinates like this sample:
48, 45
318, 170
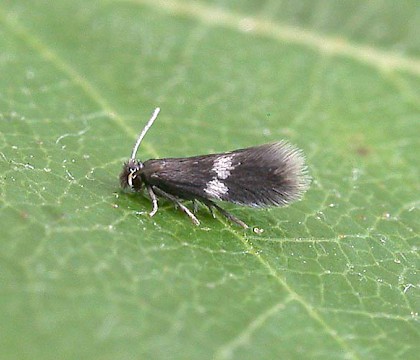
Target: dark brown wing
266, 175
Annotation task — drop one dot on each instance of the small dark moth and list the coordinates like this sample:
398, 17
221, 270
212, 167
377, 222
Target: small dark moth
266, 175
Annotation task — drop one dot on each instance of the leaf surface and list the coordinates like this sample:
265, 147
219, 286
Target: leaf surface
85, 274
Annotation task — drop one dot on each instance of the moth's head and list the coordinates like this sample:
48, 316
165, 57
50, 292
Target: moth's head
130, 175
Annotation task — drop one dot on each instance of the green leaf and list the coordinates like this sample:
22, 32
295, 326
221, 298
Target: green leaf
84, 275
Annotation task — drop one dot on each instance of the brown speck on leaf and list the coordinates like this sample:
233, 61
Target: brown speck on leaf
363, 150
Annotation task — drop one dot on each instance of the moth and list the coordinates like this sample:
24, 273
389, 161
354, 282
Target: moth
266, 175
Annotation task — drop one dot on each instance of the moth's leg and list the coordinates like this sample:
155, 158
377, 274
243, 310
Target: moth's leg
210, 206
195, 206
154, 200
228, 215
177, 203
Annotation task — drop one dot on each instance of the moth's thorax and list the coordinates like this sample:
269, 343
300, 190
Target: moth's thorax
131, 175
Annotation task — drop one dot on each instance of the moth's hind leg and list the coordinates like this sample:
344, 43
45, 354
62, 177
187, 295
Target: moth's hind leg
211, 205
177, 203
195, 206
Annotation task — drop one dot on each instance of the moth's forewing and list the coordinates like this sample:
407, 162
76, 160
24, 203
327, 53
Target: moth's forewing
266, 175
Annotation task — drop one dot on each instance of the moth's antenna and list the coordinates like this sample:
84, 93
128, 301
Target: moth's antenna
144, 131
